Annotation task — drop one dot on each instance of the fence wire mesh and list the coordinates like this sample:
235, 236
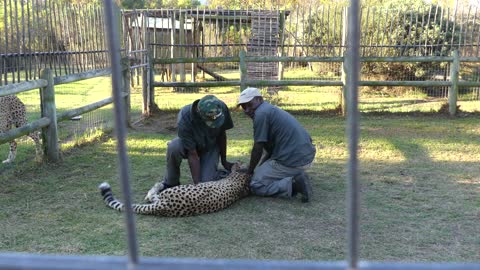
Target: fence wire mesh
312, 31
48, 34
82, 93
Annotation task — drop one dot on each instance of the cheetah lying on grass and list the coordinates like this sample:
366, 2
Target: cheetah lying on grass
188, 200
13, 114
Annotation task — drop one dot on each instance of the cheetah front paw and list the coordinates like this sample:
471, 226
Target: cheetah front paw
152, 194
10, 158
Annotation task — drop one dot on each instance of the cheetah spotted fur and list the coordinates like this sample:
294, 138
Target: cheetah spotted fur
188, 200
13, 114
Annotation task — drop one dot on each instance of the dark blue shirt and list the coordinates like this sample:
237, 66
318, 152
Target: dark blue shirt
194, 133
285, 138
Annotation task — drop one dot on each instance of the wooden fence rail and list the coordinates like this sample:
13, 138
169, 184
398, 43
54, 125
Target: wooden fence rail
49, 119
454, 82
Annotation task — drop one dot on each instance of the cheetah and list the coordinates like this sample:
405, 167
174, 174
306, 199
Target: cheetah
189, 200
13, 114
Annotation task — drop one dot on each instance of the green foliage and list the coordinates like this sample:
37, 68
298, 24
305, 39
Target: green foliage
414, 30
181, 3
132, 4
143, 4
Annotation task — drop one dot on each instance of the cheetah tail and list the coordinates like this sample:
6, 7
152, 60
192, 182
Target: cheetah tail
110, 201
108, 198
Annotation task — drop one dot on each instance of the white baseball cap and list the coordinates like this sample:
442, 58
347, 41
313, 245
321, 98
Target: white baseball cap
248, 94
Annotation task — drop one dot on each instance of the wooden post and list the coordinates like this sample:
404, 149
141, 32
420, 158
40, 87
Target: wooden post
454, 74
345, 71
126, 88
243, 70
281, 28
145, 69
172, 47
342, 96
182, 42
49, 133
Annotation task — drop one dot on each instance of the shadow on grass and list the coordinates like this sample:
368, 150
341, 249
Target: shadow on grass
415, 205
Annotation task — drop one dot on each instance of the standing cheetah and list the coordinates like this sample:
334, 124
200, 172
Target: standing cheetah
13, 114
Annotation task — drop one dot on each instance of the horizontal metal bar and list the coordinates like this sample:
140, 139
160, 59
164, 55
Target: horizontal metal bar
314, 83
22, 261
16, 88
247, 59
196, 84
409, 59
469, 59
292, 59
196, 60
137, 51
311, 59
406, 83
137, 66
468, 84
418, 83
292, 83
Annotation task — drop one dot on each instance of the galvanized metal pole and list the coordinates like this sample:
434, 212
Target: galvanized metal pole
353, 201
121, 130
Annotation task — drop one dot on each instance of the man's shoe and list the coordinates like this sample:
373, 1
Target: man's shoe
301, 184
307, 187
297, 186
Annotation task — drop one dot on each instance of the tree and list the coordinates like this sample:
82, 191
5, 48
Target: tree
181, 3
131, 4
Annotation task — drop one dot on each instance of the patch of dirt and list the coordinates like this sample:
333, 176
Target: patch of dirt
159, 122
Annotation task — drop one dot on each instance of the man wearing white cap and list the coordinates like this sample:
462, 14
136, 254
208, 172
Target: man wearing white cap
283, 145
201, 140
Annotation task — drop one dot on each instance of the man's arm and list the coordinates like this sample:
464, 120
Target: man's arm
194, 163
222, 146
255, 156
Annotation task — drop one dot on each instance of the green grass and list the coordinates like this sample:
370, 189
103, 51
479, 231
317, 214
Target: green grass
420, 191
419, 172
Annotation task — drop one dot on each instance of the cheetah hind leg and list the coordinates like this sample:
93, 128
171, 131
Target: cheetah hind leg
239, 166
152, 194
13, 152
38, 147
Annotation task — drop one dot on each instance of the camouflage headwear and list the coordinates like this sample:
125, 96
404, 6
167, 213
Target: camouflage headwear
211, 111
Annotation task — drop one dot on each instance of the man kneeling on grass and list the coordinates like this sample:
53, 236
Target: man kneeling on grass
282, 149
201, 140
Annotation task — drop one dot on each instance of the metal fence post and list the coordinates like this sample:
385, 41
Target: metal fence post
49, 110
121, 132
454, 76
353, 132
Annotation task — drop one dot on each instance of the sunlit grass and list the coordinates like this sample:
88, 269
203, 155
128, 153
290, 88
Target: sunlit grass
419, 177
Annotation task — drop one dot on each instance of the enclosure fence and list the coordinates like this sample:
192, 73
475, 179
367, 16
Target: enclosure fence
187, 48
47, 34
132, 261
39, 34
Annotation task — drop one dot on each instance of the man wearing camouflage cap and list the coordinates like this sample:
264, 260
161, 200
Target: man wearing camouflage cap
201, 140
